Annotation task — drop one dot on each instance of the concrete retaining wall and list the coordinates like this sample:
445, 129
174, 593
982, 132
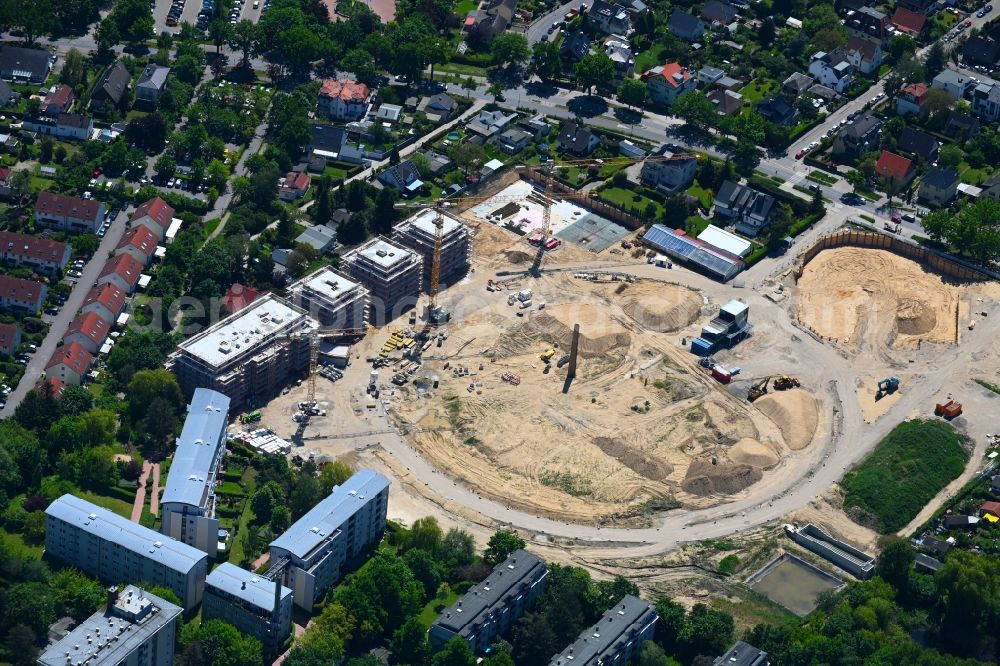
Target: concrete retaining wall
855, 562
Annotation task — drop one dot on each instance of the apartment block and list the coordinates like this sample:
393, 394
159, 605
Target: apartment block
187, 507
256, 606
490, 608
332, 536
391, 273
58, 211
332, 299
116, 550
135, 628
39, 254
248, 356
418, 233
615, 638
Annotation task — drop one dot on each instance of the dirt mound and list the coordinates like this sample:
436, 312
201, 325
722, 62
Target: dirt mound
794, 412
749, 451
913, 317
704, 478
517, 257
669, 309
637, 461
599, 333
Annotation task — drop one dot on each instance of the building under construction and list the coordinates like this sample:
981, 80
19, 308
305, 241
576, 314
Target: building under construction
331, 299
248, 356
392, 274
417, 232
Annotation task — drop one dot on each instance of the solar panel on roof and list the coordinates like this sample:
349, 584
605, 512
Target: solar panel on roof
685, 248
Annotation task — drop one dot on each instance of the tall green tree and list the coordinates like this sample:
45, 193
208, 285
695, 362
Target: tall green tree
215, 643
501, 545
546, 62
632, 92
594, 69
510, 48
456, 652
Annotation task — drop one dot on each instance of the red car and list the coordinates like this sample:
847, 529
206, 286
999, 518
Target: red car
968, 24
799, 154
97, 173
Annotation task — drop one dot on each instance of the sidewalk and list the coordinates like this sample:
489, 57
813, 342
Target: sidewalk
140, 493
154, 501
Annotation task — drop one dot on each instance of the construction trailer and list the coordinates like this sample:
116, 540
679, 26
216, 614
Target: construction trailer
392, 273
730, 327
417, 233
332, 299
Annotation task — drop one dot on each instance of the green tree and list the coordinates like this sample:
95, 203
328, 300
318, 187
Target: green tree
425, 569
219, 34
33, 17
653, 655
215, 643
706, 632
265, 499
936, 59
245, 38
950, 156
467, 155
749, 128
379, 596
855, 179
74, 69
968, 590
20, 645
534, 641
546, 62
409, 643
456, 652
304, 495
333, 474
895, 562
510, 48
496, 89
45, 150
594, 69
612, 591
147, 385
632, 92
79, 595
697, 111
458, 548
425, 534
501, 545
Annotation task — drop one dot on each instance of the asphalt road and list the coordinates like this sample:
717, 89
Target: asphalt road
539, 28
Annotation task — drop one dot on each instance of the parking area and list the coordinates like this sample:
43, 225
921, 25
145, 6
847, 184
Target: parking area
170, 14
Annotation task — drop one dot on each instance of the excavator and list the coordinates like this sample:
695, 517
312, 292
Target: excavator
758, 389
887, 386
784, 382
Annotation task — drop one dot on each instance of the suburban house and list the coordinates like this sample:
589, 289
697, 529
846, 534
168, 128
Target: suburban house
5, 176
574, 46
536, 125
726, 102
388, 114
112, 89
29, 65
493, 19
832, 69
619, 49
718, 12
911, 99
860, 136
921, 6
39, 254
995, 484
326, 143
867, 22
980, 52
919, 144
748, 208
489, 123
21, 295
669, 176
64, 126
685, 26
156, 214
895, 169
294, 186
439, 163
107, 300
321, 238
10, 338
796, 84
8, 96
707, 76
403, 177
952, 82
777, 110
611, 19
58, 211
69, 364
865, 55
939, 186
908, 22
89, 330
577, 139
140, 242
151, 84
442, 105
123, 271
991, 190
665, 83
513, 140
59, 100
960, 125
986, 102
344, 100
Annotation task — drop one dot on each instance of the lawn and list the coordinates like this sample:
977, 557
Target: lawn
431, 612
14, 545
906, 470
210, 226
756, 90
121, 507
236, 554
230, 488
463, 7
460, 69
703, 195
629, 200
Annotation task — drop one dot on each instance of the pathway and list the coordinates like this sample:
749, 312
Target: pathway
140, 493
260, 561
154, 500
221, 206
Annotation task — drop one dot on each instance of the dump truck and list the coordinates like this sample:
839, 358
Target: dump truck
731, 326
759, 389
887, 386
948, 410
547, 355
784, 382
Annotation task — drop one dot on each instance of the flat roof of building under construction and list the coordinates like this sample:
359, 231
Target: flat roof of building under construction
251, 327
327, 283
424, 221
381, 253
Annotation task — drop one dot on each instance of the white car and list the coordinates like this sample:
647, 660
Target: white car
813, 144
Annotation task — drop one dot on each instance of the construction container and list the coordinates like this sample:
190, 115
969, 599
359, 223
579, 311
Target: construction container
526, 304
721, 374
511, 299
524, 295
949, 409
373, 377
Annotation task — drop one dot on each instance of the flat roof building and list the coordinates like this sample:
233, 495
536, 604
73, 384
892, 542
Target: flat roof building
418, 232
332, 299
391, 273
249, 355
116, 550
615, 638
188, 503
135, 628
253, 604
332, 536
490, 608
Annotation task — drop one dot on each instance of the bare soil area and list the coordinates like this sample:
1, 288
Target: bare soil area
795, 413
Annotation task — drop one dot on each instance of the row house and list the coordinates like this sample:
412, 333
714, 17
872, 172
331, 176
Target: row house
69, 364
139, 242
156, 214
10, 338
123, 271
89, 330
19, 295
41, 255
65, 213
107, 300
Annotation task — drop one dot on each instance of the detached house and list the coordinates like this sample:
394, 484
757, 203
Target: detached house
574, 46
89, 330
980, 52
726, 102
403, 177
685, 26
619, 50
860, 136
59, 100
344, 100
152, 83
908, 22
30, 65
867, 22
665, 83
952, 82
490, 123
39, 254
986, 102
833, 70
796, 84
895, 169
69, 364
669, 176
19, 295
911, 99
110, 92
294, 187
719, 12
939, 186
64, 126
748, 208
919, 144
777, 110
442, 105
611, 19
58, 211
864, 54
577, 139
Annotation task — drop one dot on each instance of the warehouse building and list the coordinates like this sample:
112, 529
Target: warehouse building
615, 638
187, 508
116, 550
332, 536
135, 628
697, 255
332, 299
418, 233
391, 273
248, 356
490, 608
256, 606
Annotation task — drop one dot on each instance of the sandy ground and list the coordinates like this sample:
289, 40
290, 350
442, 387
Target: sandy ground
795, 413
871, 408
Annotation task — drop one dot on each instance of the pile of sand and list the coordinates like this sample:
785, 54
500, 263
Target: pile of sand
749, 451
517, 257
704, 478
639, 462
913, 317
599, 333
670, 308
794, 412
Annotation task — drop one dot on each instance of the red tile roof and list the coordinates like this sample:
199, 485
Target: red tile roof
51, 203
297, 180
57, 385
141, 238
991, 507
345, 91
8, 333
891, 165
32, 247
4, 175
238, 297
668, 72
16, 289
126, 266
917, 91
865, 47
92, 326
157, 210
108, 295
61, 96
912, 23
73, 355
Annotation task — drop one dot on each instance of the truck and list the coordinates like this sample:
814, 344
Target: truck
547, 355
725, 331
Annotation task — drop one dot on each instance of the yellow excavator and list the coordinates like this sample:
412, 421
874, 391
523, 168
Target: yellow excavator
784, 382
758, 389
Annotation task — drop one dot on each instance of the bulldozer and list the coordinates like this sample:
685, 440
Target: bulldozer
784, 382
887, 386
758, 389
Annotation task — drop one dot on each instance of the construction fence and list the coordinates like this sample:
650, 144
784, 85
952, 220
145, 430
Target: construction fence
939, 262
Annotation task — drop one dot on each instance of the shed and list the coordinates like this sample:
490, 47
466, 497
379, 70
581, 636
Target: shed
726, 241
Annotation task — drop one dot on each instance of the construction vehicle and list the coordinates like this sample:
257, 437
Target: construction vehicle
252, 417
887, 386
948, 410
563, 360
784, 382
759, 389
547, 355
